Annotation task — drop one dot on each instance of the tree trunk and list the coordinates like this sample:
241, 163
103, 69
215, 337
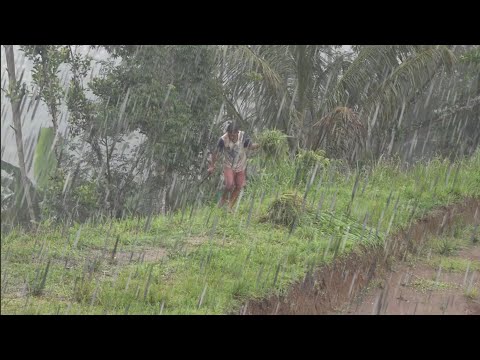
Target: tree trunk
16, 97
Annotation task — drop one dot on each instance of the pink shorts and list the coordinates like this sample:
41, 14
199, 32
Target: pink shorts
234, 179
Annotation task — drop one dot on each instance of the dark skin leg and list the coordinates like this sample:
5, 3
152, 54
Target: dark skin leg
224, 198
239, 184
234, 197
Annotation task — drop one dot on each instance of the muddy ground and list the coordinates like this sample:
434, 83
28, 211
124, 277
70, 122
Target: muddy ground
398, 278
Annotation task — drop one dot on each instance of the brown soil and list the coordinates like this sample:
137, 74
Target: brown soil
420, 289
139, 255
342, 286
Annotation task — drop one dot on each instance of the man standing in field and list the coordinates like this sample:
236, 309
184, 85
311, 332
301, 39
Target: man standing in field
232, 145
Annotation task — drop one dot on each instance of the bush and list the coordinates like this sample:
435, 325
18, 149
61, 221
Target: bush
306, 160
273, 144
79, 201
286, 210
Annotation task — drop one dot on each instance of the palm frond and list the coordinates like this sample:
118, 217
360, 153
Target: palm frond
341, 133
407, 78
374, 60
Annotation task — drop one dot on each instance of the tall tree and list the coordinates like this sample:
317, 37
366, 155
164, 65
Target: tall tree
16, 93
47, 87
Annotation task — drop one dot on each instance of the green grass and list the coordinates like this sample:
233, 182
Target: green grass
441, 251
472, 293
425, 285
216, 261
454, 264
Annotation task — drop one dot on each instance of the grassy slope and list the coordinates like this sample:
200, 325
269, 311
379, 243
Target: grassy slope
216, 260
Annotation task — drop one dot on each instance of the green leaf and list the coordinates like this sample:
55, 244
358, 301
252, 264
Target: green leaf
44, 162
12, 186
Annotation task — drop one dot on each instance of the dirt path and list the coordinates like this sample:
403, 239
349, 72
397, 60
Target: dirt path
423, 289
396, 279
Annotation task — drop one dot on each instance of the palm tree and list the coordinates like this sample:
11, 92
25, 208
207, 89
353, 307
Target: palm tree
342, 134
382, 80
292, 87
274, 85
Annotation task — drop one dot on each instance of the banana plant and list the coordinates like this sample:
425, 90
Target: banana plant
14, 206
44, 161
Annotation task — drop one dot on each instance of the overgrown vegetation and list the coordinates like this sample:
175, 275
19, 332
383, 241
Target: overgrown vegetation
215, 261
119, 217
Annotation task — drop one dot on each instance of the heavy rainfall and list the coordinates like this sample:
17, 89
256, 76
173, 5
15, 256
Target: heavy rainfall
240, 179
